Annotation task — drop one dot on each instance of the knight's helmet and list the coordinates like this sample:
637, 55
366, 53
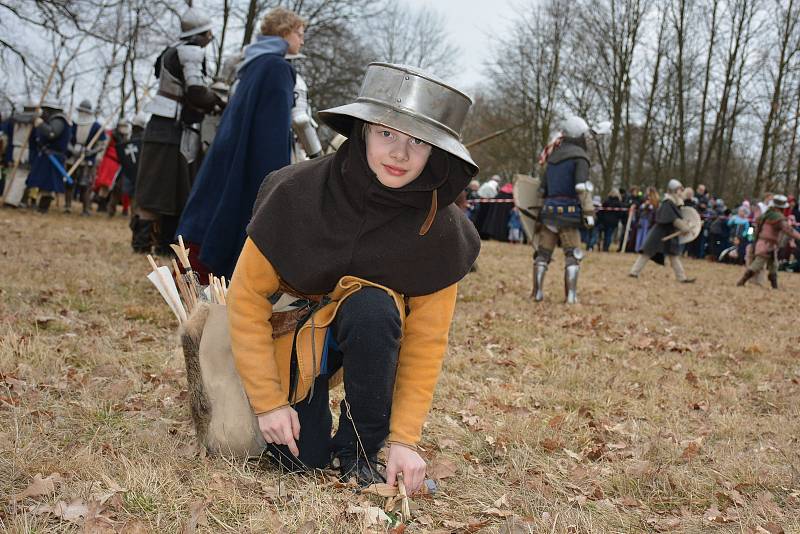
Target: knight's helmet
85, 106
51, 108
124, 126
574, 126
410, 101
194, 22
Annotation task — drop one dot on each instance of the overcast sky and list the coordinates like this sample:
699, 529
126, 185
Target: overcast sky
472, 25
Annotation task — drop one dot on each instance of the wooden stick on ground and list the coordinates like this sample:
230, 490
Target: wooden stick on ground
406, 509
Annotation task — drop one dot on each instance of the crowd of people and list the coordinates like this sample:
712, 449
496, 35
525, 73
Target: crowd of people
724, 236
191, 162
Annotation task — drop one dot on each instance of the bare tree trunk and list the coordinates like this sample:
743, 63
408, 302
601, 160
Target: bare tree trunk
704, 98
793, 144
226, 12
787, 50
249, 23
679, 24
648, 119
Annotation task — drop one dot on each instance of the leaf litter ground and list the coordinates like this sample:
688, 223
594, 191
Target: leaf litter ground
649, 407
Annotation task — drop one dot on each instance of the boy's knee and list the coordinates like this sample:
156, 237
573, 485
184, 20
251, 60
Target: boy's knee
370, 308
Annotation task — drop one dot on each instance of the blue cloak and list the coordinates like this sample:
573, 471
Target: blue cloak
253, 139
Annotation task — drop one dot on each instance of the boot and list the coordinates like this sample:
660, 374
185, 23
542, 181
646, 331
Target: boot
773, 280
44, 203
748, 274
363, 469
539, 270
571, 283
142, 235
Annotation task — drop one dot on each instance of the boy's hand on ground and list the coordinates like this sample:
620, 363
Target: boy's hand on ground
281, 427
407, 461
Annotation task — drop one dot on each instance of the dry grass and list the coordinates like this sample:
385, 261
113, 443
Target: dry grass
650, 406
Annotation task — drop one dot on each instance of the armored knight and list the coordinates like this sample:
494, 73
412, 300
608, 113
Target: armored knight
17, 131
566, 194
84, 130
50, 142
171, 145
307, 144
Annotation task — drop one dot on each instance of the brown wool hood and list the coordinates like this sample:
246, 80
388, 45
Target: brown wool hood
326, 218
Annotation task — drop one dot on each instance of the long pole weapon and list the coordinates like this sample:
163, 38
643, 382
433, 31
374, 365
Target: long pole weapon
37, 112
627, 228
71, 102
492, 135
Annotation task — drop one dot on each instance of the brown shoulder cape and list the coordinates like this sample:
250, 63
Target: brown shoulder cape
329, 217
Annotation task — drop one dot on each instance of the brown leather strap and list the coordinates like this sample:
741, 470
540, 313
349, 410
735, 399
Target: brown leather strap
165, 94
283, 287
431, 215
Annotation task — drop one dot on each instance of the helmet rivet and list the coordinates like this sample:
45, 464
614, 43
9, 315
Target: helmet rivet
407, 78
399, 100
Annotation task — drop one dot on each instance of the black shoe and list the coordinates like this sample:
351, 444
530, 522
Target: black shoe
688, 281
364, 470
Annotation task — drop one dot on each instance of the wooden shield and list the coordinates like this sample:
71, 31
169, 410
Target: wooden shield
528, 199
692, 218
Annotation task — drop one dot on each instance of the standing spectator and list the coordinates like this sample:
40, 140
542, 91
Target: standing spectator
611, 216
718, 230
514, 227
739, 226
646, 217
701, 195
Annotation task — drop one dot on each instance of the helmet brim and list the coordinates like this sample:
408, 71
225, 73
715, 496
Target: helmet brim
341, 119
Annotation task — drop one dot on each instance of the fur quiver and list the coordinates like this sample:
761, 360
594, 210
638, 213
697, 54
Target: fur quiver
222, 416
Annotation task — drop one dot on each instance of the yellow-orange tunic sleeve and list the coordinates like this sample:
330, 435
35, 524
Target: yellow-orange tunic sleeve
425, 333
249, 310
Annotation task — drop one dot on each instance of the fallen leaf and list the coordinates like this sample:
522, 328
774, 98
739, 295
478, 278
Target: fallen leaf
770, 528
40, 486
691, 450
71, 511
371, 515
664, 524
494, 512
197, 516
441, 468
447, 443
714, 515
766, 500
692, 378
134, 527
550, 444
309, 527
556, 421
